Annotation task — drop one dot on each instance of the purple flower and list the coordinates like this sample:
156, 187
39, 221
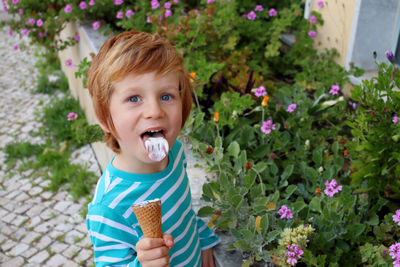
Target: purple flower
334, 89
332, 188
396, 217
259, 8
119, 15
20, 11
389, 55
272, 12
148, 20
129, 13
320, 3
77, 38
15, 2
395, 119
251, 16
83, 5
395, 251
167, 5
210, 1
68, 8
176, 1
95, 25
69, 63
31, 21
312, 19
267, 127
260, 91
72, 116
285, 212
312, 34
15, 47
25, 31
91, 3
39, 22
10, 32
118, 2
154, 4
167, 13
293, 252
291, 108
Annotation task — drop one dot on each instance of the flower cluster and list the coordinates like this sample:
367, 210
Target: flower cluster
332, 188
69, 63
260, 91
259, 8
291, 108
396, 217
267, 127
292, 254
395, 253
296, 236
285, 212
72, 116
395, 119
334, 89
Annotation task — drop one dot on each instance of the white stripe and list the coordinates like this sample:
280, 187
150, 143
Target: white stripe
191, 256
178, 223
198, 260
113, 224
184, 231
106, 181
121, 196
118, 246
183, 250
109, 239
143, 197
174, 187
211, 245
202, 228
95, 192
113, 184
111, 259
176, 206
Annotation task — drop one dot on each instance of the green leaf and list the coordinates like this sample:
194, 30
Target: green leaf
260, 167
315, 204
205, 211
199, 120
290, 190
233, 149
373, 220
272, 235
264, 224
287, 172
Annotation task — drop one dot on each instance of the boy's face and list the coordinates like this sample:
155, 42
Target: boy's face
140, 104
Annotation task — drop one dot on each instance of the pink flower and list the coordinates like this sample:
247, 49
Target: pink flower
68, 8
167, 13
15, 2
395, 251
148, 20
332, 188
118, 2
259, 8
95, 25
39, 22
129, 13
31, 21
15, 47
396, 217
267, 127
272, 12
176, 1
251, 16
210, 1
83, 5
293, 252
91, 3
167, 5
285, 213
69, 63
320, 3
291, 108
25, 31
20, 11
10, 32
334, 89
312, 19
77, 38
312, 34
72, 116
395, 119
119, 15
154, 4
260, 91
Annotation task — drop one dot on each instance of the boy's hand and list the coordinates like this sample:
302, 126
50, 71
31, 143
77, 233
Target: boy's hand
154, 251
207, 258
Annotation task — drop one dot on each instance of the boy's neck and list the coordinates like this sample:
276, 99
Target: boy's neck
121, 163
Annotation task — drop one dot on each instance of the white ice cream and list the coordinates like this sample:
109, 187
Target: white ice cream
157, 148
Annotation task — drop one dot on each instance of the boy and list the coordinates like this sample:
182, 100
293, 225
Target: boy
142, 97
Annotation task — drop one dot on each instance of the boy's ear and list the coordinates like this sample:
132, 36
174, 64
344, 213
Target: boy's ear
104, 127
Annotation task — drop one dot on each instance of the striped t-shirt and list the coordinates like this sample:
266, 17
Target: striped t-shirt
114, 229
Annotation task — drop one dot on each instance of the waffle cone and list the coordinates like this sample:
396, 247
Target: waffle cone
148, 215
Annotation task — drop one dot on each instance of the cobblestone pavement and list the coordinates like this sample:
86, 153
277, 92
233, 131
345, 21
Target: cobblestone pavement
38, 227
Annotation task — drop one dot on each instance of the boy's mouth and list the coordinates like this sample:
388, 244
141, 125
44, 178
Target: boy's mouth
153, 133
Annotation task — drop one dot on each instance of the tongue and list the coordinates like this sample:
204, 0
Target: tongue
156, 147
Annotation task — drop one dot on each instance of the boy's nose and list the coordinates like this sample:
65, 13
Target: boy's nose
153, 109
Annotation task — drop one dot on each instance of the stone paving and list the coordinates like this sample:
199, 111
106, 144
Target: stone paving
38, 227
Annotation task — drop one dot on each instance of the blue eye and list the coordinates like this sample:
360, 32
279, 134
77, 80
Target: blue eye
166, 97
134, 99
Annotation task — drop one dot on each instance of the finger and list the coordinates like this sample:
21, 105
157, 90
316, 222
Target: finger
149, 243
153, 254
163, 262
169, 240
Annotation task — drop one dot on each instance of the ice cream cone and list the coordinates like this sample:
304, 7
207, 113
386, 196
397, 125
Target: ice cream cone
148, 214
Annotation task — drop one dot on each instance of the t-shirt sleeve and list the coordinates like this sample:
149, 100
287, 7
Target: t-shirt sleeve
207, 236
112, 237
